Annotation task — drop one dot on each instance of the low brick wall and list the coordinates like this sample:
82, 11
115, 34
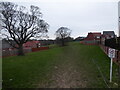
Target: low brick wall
39, 49
82, 42
117, 53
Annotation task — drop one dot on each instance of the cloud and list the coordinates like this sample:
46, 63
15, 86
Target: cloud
64, 1
81, 16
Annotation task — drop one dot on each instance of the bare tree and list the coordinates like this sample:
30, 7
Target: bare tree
20, 25
62, 33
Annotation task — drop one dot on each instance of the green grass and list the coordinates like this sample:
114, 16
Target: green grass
37, 67
26, 71
87, 53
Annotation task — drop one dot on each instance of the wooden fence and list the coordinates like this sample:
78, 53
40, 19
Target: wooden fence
117, 54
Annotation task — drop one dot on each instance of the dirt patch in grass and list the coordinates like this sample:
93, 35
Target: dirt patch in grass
66, 76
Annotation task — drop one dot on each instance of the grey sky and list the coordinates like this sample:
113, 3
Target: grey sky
81, 17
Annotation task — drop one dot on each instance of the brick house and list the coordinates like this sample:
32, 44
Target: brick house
107, 35
31, 44
93, 38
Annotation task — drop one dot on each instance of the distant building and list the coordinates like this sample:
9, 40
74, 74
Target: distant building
6, 48
107, 35
31, 44
47, 42
79, 39
6, 45
93, 38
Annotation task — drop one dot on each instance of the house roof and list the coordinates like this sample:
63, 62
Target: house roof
31, 43
92, 36
110, 33
97, 34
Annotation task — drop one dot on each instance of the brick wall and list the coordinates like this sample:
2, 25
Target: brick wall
38, 49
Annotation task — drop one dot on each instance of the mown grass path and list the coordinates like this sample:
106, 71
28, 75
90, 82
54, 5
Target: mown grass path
75, 68
59, 67
67, 73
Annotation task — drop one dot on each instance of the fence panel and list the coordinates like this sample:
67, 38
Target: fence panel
117, 53
118, 56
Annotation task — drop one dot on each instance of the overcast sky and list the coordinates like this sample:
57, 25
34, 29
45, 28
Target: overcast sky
81, 16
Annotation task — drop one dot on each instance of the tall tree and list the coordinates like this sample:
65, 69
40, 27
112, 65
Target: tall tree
62, 33
20, 24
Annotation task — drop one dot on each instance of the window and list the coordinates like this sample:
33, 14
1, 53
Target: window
112, 36
98, 36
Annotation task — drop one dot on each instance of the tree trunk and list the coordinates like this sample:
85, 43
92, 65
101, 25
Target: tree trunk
63, 43
20, 51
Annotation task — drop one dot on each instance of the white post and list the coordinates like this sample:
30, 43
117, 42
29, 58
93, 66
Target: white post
111, 70
119, 18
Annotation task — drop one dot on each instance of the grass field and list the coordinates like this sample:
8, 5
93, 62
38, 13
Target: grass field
69, 66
